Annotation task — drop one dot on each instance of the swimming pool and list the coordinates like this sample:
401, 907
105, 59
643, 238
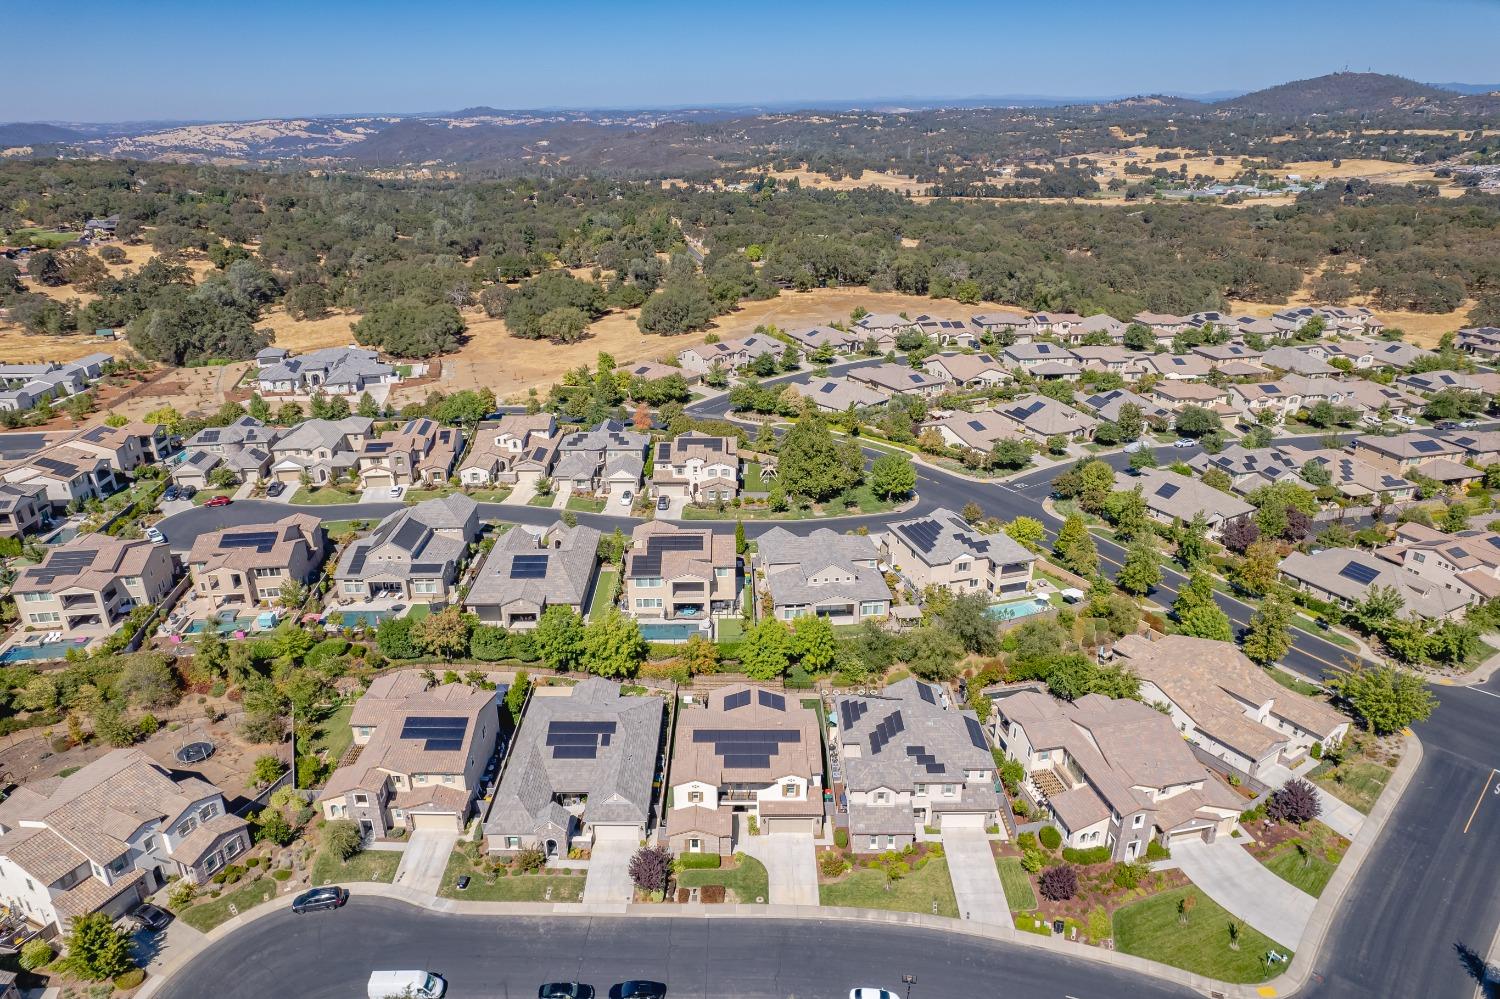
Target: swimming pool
224, 626
62, 535
39, 651
1018, 609
363, 619
669, 631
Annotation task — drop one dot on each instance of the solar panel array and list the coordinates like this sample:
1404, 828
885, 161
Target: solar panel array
976, 734
851, 712
438, 734
750, 748
1167, 490
925, 692
60, 563
775, 702
886, 731
926, 759
1362, 574
921, 533
261, 541
528, 567
578, 740
1425, 446
738, 699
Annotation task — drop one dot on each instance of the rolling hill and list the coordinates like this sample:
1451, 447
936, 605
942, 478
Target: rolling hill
1338, 93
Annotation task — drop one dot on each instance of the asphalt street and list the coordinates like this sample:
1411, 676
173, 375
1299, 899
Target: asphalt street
330, 955
1429, 891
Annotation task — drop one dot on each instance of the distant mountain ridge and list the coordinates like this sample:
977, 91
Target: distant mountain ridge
1338, 93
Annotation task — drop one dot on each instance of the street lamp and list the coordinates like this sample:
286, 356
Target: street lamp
908, 981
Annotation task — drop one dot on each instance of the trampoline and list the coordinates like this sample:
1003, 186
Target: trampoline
195, 752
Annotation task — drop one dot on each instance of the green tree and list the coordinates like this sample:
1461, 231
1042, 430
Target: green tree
1075, 547
410, 328
515, 695
813, 643
97, 950
613, 646
271, 825
444, 634
1385, 699
1131, 423
559, 637
1141, 571
813, 464
766, 649
1195, 421
1028, 532
1192, 542
1260, 569
1097, 482
932, 652
892, 476
1270, 633
966, 616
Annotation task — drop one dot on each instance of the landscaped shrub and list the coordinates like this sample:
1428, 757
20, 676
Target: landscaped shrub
1156, 851
36, 954
530, 860
130, 980
1129, 875
650, 868
1032, 860
832, 864
1296, 801
1026, 841
1058, 884
841, 838
1050, 837
699, 862
1092, 855
1253, 814
343, 839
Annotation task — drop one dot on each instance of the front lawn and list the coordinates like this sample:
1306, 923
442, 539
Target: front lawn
586, 504
605, 591
1309, 873
1154, 929
916, 892
501, 886
1019, 896
547, 500
1356, 783
860, 500
324, 496
205, 915
366, 865
747, 879
755, 481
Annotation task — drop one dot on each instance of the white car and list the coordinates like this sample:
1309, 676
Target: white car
1134, 446
869, 993
1405, 421
155, 537
396, 492
626, 497
1468, 424
1183, 442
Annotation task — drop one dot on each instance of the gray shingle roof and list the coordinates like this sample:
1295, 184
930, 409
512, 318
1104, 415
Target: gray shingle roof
942, 536
953, 739
572, 553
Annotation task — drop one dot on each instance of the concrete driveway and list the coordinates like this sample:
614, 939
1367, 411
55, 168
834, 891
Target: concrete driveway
609, 871
521, 495
976, 881
791, 866
1339, 816
1244, 886
424, 860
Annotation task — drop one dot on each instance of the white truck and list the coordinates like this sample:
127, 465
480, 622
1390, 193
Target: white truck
405, 985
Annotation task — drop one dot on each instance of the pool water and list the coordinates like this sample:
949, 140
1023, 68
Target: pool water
1018, 609
224, 626
62, 536
364, 619
42, 650
669, 631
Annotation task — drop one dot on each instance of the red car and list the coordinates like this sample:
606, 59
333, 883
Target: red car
219, 501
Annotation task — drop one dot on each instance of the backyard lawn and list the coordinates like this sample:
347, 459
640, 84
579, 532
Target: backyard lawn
731, 630
1153, 929
331, 736
367, 865
605, 591
204, 916
916, 892
335, 528
1019, 896
748, 879
755, 482
487, 887
1361, 783
45, 238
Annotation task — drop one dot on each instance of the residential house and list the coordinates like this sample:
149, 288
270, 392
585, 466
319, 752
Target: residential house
1059, 324
967, 370
579, 772
1298, 362
1221, 353
70, 477
244, 447
1113, 773
606, 459
1005, 324
911, 759
1227, 706
942, 549
1178, 395
698, 468
1163, 324
739, 753
1171, 497
838, 395
1042, 417
412, 555
1410, 452
339, 371
1359, 353
107, 835
1107, 406
516, 448
650, 371
1466, 562
1177, 367
702, 358
1439, 381
422, 452
1357, 320
1355, 478
898, 379
975, 431
948, 332
245, 567
423, 749
531, 569
244, 432
884, 328
319, 450
24, 509
832, 575
1100, 323
1287, 395
1374, 399
676, 573
1120, 360
85, 588
812, 340
1482, 447
1029, 355
1345, 576
1481, 341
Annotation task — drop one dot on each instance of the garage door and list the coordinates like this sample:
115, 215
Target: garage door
1192, 835
440, 821
617, 832
787, 824
962, 820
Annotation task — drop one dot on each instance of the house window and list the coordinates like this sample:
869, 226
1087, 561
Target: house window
880, 797
890, 841
722, 572
920, 789
32, 598
361, 799
186, 826
45, 617
961, 567
869, 608
789, 789
207, 812
695, 845
211, 863
648, 583
1138, 821
424, 586
448, 778
874, 842
512, 842
694, 797
148, 844
233, 847
353, 586
648, 603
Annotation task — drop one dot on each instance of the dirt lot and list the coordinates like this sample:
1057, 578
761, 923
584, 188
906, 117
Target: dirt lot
870, 178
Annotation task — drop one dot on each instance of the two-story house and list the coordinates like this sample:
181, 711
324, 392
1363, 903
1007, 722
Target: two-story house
104, 837
24, 509
678, 573
244, 567
412, 555
943, 550
832, 575
911, 759
743, 752
86, 587
531, 569
320, 450
423, 752
422, 452
608, 458
697, 468
518, 447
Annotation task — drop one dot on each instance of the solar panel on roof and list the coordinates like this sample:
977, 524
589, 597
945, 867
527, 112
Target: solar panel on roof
1167, 490
976, 733
829, 387
747, 762
923, 534
738, 699
976, 425
574, 752
674, 542
767, 699
925, 692
528, 567
1362, 574
1425, 446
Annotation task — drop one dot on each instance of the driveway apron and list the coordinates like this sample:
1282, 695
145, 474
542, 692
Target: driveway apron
976, 881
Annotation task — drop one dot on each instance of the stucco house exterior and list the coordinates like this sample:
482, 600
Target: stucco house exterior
824, 573
531, 569
86, 587
943, 550
413, 554
245, 567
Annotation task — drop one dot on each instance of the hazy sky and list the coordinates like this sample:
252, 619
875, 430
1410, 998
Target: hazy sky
157, 59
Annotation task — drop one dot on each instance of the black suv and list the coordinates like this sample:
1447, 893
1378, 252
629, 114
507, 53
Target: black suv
151, 917
328, 897
638, 990
565, 990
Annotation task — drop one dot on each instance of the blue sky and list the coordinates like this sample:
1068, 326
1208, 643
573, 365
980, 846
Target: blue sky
169, 59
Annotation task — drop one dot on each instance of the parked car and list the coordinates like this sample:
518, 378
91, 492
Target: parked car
1468, 424
187, 492
155, 537
275, 489
638, 990
565, 990
869, 993
1183, 442
1446, 425
626, 497
326, 897
170, 493
663, 503
396, 492
420, 984
219, 501
463, 883
151, 917
1405, 421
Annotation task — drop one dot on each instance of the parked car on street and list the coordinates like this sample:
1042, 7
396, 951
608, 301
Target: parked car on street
565, 990
219, 501
1183, 442
638, 990
1405, 421
869, 993
326, 897
155, 537
419, 984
